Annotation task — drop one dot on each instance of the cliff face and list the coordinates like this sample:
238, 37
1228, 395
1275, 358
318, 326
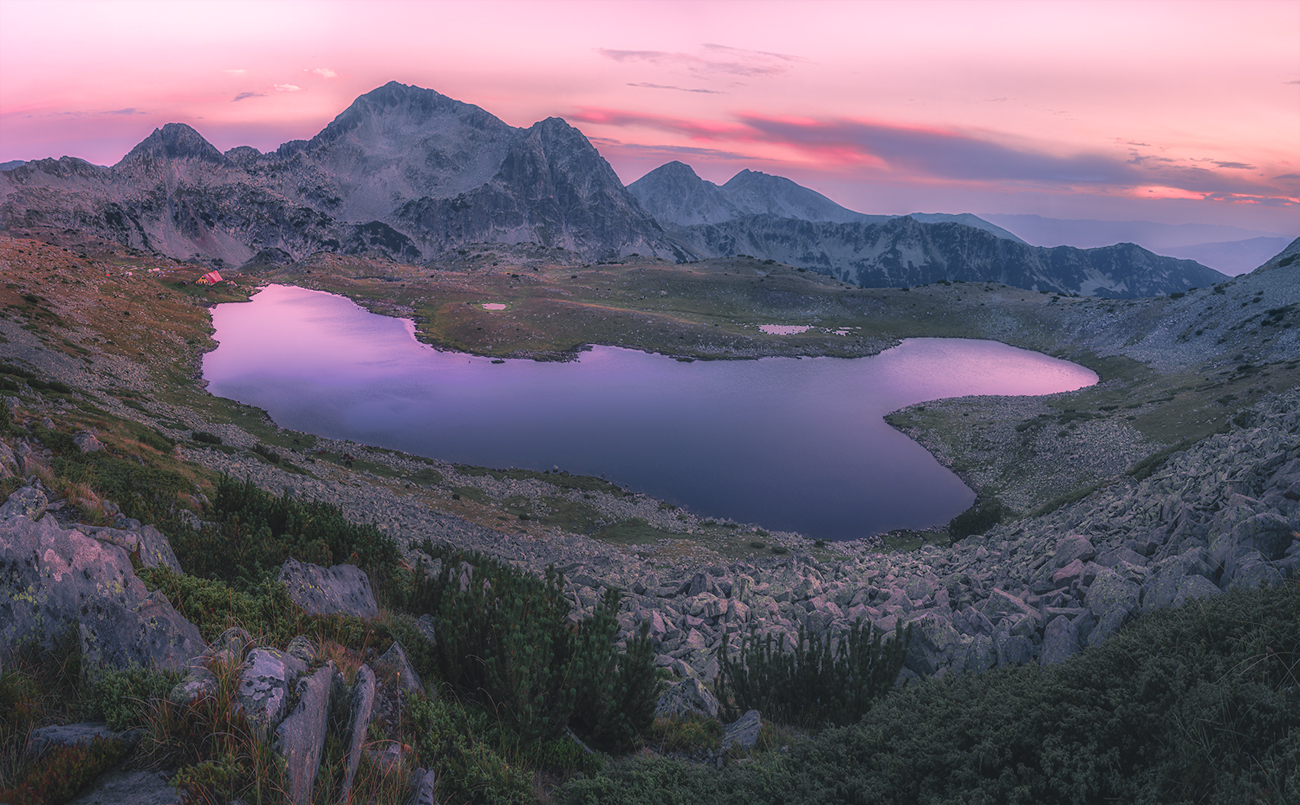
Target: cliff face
404, 172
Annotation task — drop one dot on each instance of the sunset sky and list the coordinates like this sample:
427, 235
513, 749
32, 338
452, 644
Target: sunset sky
1181, 112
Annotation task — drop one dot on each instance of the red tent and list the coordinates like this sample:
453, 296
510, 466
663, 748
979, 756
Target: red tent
210, 278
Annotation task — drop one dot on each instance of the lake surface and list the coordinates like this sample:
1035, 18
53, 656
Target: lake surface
787, 443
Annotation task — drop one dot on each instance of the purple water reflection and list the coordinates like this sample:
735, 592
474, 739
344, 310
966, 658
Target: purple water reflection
787, 443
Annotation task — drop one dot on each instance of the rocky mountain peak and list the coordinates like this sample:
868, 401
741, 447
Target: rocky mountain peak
175, 141
396, 109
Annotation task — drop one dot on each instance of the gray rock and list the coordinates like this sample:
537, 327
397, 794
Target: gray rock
361, 699
1192, 587
46, 738
342, 589
1254, 573
118, 786
394, 665
743, 732
933, 641
25, 502
425, 626
1267, 533
1109, 590
300, 738
265, 682
1109, 622
52, 579
1073, 547
981, 655
302, 648
148, 545
1161, 586
1013, 649
1060, 641
1001, 603
688, 696
425, 785
86, 442
197, 683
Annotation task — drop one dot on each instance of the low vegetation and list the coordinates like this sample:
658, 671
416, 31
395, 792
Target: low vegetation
1196, 704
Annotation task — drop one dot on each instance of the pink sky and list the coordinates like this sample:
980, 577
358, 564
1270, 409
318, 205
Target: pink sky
1166, 111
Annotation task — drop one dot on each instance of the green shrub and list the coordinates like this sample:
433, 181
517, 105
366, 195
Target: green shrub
1195, 704
505, 641
121, 698
819, 679
205, 437
469, 769
978, 519
255, 531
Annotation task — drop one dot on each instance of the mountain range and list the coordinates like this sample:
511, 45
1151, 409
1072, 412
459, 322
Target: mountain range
410, 174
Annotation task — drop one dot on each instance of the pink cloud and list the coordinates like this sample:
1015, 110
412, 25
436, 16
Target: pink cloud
930, 154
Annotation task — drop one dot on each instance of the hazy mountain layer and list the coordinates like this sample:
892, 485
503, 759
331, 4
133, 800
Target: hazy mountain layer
905, 252
675, 195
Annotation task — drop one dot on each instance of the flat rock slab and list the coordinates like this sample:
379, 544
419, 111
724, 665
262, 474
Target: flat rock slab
265, 681
743, 732
342, 589
300, 738
118, 786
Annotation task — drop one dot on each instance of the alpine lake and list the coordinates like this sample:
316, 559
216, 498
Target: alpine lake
789, 444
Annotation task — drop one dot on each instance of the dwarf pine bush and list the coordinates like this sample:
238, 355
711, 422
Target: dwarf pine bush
819, 679
505, 640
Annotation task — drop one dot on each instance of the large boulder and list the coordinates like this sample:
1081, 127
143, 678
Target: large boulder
933, 641
1075, 546
1060, 641
1110, 590
743, 732
28, 502
686, 697
1267, 533
342, 589
53, 579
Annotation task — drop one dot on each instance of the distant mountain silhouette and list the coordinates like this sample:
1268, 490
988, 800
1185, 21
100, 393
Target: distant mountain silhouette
409, 174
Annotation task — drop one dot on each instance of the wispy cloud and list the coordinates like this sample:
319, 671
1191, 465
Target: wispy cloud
243, 96
131, 110
287, 88
717, 61
936, 154
324, 72
647, 85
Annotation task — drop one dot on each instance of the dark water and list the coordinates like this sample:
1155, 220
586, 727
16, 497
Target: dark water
790, 444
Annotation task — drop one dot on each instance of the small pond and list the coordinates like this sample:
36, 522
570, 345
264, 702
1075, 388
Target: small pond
787, 443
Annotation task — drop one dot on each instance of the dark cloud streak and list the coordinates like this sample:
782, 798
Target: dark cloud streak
647, 85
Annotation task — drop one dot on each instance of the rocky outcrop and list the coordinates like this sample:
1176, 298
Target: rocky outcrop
342, 589
53, 579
